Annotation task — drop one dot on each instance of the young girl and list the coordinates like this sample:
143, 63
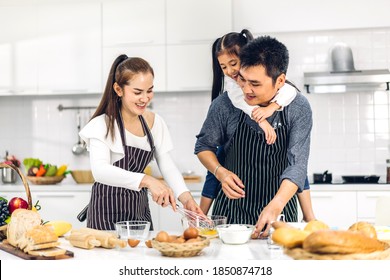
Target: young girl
226, 66
122, 138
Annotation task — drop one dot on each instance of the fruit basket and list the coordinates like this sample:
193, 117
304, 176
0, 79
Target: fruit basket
3, 229
45, 180
178, 250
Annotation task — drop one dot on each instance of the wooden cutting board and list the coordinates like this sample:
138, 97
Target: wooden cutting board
5, 246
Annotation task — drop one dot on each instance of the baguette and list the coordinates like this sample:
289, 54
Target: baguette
341, 242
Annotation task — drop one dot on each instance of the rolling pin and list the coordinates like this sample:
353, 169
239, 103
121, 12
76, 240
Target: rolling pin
107, 239
83, 240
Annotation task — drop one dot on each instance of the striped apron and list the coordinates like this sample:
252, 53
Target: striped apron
111, 204
259, 166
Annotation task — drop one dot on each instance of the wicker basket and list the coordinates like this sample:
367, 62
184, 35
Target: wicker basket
3, 229
178, 250
300, 254
49, 180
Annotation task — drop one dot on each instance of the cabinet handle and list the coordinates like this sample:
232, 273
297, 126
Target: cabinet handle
372, 196
54, 196
129, 44
322, 195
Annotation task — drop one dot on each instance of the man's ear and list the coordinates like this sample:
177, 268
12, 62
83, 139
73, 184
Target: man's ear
280, 81
117, 89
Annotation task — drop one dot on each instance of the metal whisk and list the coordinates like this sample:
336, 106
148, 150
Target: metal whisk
194, 219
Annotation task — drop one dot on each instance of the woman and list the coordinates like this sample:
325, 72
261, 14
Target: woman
226, 66
122, 138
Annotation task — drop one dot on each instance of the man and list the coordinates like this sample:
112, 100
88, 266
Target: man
259, 181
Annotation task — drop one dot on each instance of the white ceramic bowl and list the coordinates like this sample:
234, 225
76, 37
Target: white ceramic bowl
133, 229
235, 233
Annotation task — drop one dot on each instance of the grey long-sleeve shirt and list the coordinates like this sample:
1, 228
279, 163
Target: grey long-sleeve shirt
221, 122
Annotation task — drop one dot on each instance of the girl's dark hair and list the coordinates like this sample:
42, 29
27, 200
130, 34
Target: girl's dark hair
122, 71
230, 43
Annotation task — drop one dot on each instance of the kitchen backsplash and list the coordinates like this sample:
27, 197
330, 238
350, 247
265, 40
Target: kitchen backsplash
350, 133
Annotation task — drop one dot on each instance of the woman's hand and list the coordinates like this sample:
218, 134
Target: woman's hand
232, 186
190, 204
161, 193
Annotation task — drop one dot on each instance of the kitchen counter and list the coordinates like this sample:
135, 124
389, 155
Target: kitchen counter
253, 250
69, 187
194, 187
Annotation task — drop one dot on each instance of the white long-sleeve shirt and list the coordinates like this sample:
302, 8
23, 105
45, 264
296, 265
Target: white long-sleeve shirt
283, 98
104, 152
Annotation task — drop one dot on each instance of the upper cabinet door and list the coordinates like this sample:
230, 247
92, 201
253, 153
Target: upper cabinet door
197, 20
69, 53
18, 50
135, 28
135, 22
306, 15
192, 27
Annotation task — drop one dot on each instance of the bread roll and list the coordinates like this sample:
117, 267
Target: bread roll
315, 225
365, 228
289, 237
279, 224
341, 242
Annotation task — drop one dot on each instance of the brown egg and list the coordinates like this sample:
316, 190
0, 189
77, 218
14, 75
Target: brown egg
192, 240
133, 242
162, 236
148, 243
172, 238
190, 233
179, 240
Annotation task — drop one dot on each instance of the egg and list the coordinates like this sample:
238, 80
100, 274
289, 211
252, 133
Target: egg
148, 243
190, 233
162, 236
172, 238
133, 242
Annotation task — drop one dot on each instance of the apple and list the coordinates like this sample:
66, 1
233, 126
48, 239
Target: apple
16, 203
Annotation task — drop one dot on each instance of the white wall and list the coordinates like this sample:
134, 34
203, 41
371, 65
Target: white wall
350, 134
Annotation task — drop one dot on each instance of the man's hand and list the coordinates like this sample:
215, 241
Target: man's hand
232, 186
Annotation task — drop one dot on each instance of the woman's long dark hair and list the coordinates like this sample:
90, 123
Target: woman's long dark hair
122, 71
230, 43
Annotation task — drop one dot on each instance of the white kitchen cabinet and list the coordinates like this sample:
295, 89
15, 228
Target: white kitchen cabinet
189, 67
189, 40
134, 22
336, 208
262, 17
135, 28
69, 48
197, 20
50, 48
18, 49
366, 201
62, 206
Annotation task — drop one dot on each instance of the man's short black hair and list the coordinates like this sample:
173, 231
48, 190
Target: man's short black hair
267, 52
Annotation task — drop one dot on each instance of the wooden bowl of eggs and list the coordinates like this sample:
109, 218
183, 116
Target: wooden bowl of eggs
189, 244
